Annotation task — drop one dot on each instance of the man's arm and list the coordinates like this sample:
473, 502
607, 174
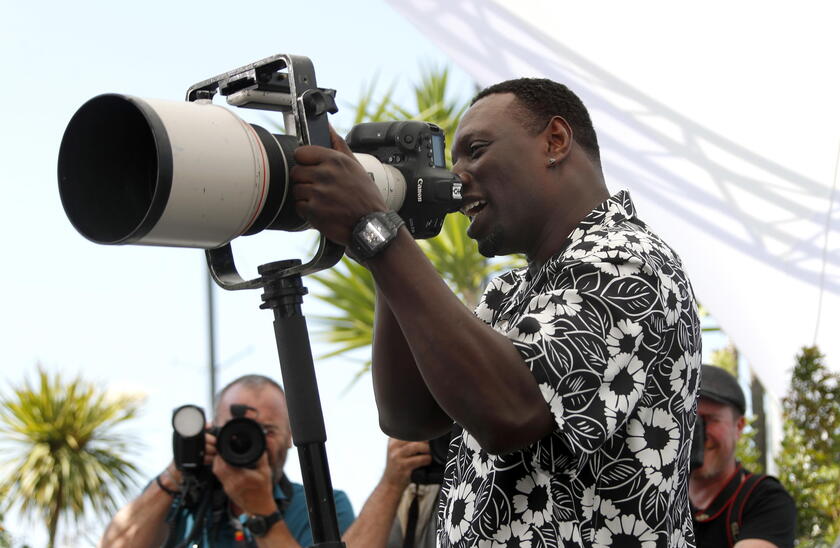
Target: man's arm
475, 375
372, 527
252, 492
402, 396
754, 543
141, 523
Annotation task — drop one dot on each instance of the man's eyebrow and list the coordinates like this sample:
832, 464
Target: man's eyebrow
458, 144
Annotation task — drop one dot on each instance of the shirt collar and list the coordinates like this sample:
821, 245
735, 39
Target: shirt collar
612, 211
616, 209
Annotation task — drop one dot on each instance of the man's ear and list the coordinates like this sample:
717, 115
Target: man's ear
559, 137
740, 424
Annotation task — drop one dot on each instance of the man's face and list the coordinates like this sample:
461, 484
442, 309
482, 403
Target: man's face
723, 429
271, 413
502, 166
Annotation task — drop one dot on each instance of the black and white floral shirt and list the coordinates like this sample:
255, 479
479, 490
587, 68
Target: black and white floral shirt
610, 331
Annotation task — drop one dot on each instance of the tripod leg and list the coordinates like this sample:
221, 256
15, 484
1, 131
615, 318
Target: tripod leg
284, 296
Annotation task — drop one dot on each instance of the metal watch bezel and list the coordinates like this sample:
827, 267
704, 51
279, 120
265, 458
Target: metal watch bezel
374, 232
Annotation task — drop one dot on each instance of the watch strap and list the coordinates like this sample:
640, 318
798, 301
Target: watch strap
259, 526
364, 247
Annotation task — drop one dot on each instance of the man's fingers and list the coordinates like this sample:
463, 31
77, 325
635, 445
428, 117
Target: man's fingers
338, 143
219, 467
410, 447
417, 461
314, 155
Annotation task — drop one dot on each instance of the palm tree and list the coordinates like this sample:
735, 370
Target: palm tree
349, 287
64, 456
5, 537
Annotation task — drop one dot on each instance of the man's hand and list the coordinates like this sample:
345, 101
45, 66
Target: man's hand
250, 489
171, 477
403, 458
373, 525
332, 190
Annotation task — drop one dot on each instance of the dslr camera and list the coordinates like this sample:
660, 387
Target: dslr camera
194, 174
240, 441
433, 472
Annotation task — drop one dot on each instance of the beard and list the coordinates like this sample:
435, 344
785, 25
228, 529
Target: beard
277, 463
714, 465
491, 245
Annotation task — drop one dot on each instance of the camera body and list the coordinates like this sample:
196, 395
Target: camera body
433, 472
417, 150
240, 441
698, 442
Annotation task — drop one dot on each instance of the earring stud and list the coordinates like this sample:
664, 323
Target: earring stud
551, 162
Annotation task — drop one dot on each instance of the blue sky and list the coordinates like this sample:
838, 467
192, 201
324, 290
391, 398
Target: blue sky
134, 318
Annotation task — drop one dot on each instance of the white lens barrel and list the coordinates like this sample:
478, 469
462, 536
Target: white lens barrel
154, 172
388, 179
182, 174
220, 176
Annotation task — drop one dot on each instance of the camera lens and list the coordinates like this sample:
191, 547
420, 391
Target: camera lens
152, 172
241, 442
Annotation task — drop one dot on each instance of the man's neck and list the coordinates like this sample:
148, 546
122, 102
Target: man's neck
555, 236
703, 491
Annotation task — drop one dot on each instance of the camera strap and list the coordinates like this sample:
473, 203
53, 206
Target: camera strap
411, 520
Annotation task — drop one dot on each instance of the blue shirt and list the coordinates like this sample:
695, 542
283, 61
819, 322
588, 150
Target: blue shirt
220, 533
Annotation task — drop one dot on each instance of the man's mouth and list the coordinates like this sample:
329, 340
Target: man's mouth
472, 208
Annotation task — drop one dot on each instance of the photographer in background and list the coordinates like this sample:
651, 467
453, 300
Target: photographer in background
731, 506
415, 523
263, 491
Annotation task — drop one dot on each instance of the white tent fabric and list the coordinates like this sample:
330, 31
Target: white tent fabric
722, 119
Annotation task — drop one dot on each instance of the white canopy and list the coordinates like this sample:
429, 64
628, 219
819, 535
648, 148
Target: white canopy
722, 119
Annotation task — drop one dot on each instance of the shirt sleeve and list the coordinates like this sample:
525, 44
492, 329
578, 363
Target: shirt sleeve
297, 515
590, 338
344, 511
770, 514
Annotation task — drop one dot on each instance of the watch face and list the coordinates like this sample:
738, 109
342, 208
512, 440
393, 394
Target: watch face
257, 526
374, 233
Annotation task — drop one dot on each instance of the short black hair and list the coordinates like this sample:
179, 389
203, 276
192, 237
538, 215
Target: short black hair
250, 381
542, 99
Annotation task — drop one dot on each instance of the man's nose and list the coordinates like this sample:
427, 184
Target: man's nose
462, 174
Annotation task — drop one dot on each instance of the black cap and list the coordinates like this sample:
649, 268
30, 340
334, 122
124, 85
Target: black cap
719, 385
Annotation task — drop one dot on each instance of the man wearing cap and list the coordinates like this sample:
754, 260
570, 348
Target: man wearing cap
731, 506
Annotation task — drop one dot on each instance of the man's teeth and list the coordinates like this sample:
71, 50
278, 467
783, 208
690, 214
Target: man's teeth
472, 208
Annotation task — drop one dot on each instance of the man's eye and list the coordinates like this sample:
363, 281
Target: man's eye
476, 149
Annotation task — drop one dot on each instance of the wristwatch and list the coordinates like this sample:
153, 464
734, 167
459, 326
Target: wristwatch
259, 526
374, 232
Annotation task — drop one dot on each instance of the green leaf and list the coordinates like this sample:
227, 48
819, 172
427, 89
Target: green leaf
59, 448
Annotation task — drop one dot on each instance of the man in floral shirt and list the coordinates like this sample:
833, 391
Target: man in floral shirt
572, 388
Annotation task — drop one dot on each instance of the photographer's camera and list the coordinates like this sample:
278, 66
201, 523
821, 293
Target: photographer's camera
240, 441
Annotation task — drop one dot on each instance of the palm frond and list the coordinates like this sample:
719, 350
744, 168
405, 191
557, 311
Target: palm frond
62, 453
